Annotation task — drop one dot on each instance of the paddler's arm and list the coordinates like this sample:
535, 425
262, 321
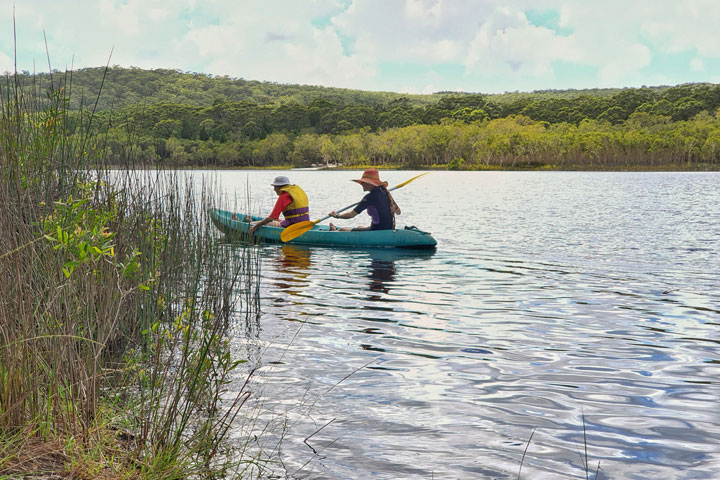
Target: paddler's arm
345, 215
259, 224
284, 199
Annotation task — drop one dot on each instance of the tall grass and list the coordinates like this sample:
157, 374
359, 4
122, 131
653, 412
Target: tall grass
115, 299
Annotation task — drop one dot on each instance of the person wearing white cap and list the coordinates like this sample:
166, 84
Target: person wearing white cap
292, 202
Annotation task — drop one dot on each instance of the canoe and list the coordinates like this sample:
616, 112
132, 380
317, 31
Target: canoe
321, 235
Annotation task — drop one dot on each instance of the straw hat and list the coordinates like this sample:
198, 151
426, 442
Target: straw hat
372, 177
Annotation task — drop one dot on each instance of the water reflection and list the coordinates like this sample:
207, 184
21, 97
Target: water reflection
295, 258
293, 264
573, 304
382, 273
382, 269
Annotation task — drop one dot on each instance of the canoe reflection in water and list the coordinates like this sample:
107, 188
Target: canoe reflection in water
294, 263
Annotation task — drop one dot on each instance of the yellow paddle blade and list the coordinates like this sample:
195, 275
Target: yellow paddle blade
408, 181
295, 230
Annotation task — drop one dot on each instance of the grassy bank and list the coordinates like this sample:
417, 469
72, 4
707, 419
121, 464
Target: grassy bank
114, 306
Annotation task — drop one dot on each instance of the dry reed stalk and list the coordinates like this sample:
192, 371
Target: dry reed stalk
115, 296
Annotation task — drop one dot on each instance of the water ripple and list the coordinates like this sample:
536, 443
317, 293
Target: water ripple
575, 305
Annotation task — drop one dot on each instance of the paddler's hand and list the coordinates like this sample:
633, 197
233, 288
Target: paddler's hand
251, 232
333, 214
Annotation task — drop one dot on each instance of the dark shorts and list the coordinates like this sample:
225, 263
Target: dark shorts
368, 229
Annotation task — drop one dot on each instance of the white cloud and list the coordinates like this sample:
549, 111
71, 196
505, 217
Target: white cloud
685, 26
613, 72
424, 12
321, 57
607, 39
507, 45
443, 51
211, 41
6, 63
352, 43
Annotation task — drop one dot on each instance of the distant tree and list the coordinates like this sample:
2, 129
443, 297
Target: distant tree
640, 120
207, 126
630, 99
397, 117
252, 130
685, 108
467, 115
307, 150
273, 150
662, 107
614, 115
318, 109
168, 128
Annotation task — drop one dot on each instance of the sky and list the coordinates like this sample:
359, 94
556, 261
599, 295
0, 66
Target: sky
407, 46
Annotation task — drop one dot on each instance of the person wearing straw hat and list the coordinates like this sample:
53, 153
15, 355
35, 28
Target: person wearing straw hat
292, 202
378, 203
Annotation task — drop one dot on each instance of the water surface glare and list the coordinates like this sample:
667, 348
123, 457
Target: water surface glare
571, 305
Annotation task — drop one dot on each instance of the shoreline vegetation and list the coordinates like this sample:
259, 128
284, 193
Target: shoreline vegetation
176, 119
694, 167
115, 307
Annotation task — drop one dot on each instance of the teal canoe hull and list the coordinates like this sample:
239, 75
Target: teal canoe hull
321, 235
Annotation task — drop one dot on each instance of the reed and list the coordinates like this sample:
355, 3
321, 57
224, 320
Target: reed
115, 302
584, 459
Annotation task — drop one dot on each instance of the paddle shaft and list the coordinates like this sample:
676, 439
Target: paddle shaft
349, 207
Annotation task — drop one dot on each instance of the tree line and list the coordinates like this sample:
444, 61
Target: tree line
114, 88
646, 141
621, 128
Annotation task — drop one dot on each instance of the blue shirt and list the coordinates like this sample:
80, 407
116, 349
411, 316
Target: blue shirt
377, 204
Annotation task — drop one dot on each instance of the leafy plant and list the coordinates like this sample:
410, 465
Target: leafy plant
114, 308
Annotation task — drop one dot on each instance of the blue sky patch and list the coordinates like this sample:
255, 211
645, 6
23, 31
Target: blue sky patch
549, 19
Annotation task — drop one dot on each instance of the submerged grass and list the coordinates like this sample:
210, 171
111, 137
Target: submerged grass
115, 302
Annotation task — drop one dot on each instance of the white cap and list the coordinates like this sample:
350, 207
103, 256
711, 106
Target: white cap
280, 181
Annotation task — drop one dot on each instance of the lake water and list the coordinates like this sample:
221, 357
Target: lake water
580, 308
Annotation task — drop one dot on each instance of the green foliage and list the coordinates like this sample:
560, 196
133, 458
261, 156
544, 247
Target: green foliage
187, 119
80, 231
456, 164
168, 128
125, 87
116, 294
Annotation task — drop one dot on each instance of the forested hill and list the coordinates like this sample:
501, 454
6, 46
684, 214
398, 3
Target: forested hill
189, 119
131, 86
